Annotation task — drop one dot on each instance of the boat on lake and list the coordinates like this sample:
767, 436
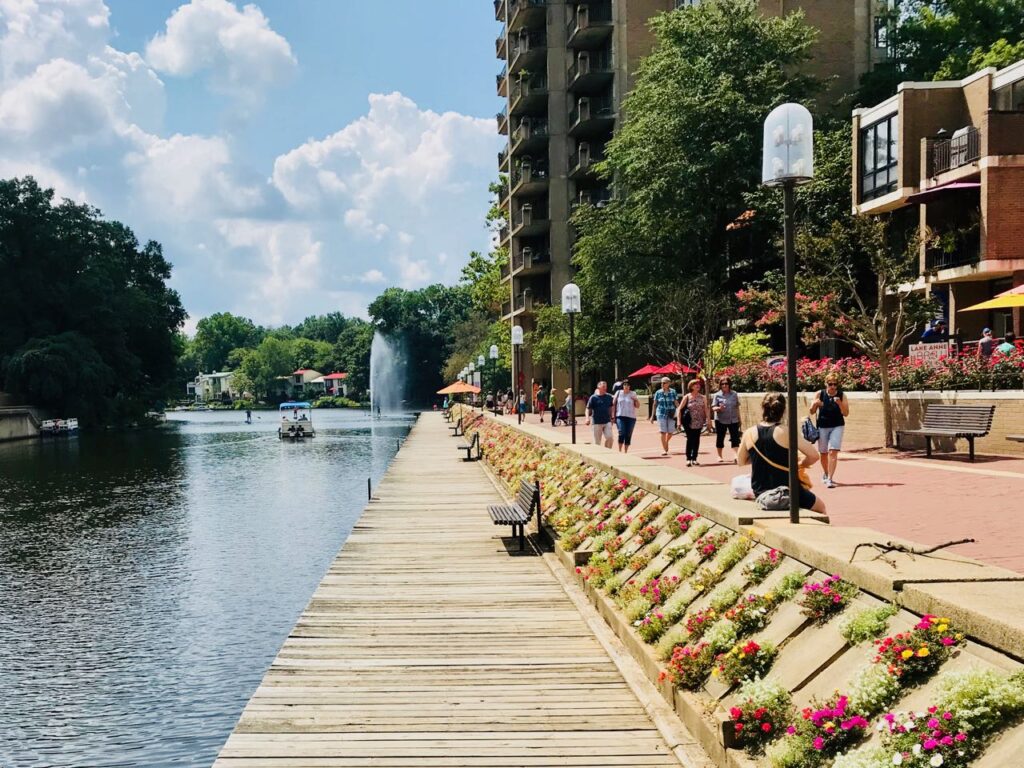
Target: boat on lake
59, 427
296, 421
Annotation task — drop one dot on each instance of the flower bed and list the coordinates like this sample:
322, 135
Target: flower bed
968, 371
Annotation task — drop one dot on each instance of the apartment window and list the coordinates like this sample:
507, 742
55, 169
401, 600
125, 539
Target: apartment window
879, 148
881, 32
687, 3
1010, 98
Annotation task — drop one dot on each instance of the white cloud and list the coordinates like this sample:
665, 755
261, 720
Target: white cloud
242, 54
372, 276
413, 272
358, 221
37, 31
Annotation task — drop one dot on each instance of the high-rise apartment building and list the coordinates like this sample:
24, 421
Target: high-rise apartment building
568, 65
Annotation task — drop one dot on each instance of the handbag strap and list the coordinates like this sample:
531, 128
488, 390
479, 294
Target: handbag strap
772, 463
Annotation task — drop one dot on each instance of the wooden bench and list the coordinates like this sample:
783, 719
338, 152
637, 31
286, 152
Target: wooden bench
474, 444
518, 513
956, 421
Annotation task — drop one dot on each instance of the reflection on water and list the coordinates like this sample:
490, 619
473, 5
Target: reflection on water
147, 579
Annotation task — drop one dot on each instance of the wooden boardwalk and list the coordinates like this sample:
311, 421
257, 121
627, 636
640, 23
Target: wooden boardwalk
431, 642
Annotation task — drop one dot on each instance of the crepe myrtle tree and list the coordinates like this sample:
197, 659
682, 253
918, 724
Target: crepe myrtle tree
856, 285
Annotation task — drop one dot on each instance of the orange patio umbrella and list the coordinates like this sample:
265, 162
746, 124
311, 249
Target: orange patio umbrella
459, 388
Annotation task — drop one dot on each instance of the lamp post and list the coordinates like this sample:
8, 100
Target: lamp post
493, 354
571, 307
517, 343
788, 161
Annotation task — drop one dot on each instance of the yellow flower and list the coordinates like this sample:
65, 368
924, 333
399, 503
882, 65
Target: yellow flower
769, 597
743, 655
944, 621
923, 652
714, 672
907, 654
942, 627
830, 724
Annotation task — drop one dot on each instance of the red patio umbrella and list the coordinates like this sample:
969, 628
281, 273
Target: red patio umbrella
674, 368
647, 370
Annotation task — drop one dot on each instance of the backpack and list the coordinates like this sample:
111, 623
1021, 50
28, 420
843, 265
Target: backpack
774, 500
810, 430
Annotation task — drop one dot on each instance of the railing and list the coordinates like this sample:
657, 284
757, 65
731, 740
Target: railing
598, 197
500, 43
499, 10
583, 159
505, 270
531, 41
517, 5
954, 152
506, 308
502, 120
527, 257
596, 106
584, 65
503, 234
532, 174
528, 129
965, 254
520, 218
586, 15
503, 157
500, 77
535, 84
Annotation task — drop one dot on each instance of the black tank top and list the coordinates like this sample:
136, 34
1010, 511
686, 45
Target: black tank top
763, 476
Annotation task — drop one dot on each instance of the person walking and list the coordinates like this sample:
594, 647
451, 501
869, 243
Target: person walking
725, 405
986, 344
692, 416
599, 414
625, 404
553, 404
765, 447
665, 412
832, 408
521, 405
490, 401
542, 402
1009, 345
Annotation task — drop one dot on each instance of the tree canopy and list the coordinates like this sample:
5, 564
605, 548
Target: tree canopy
88, 325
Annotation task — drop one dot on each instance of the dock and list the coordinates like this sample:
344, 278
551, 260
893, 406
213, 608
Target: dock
432, 642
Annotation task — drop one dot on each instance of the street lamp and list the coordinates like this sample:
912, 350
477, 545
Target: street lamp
493, 353
571, 307
517, 344
789, 160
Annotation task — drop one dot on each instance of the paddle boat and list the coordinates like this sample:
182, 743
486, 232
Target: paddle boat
296, 421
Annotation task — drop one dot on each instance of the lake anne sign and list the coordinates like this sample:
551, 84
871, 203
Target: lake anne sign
930, 354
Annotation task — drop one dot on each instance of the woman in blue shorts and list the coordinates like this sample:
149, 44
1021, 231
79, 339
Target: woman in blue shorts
665, 400
832, 408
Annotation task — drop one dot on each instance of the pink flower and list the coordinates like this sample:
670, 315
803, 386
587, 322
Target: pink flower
819, 743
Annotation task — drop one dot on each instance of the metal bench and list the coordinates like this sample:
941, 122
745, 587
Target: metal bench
1016, 438
518, 513
474, 445
956, 421
457, 428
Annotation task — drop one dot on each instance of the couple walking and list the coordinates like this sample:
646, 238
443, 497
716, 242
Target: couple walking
691, 414
621, 408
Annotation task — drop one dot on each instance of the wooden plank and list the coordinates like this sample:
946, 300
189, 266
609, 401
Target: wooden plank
432, 642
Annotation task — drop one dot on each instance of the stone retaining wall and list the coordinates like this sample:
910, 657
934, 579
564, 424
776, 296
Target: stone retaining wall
611, 517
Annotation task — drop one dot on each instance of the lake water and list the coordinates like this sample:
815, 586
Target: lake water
147, 579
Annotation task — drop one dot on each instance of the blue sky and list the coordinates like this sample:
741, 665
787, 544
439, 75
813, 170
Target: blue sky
292, 156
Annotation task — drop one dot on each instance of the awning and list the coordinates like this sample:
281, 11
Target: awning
676, 369
459, 388
647, 370
929, 194
1003, 301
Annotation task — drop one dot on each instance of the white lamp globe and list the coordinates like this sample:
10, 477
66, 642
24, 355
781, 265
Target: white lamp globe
788, 146
494, 352
570, 299
517, 335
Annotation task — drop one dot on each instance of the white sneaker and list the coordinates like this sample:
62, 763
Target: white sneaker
829, 483
824, 477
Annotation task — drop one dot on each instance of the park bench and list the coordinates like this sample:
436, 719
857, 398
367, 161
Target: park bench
457, 429
447, 415
956, 421
1016, 438
518, 513
474, 445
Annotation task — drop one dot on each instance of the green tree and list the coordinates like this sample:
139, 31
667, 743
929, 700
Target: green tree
81, 297
218, 334
322, 327
352, 351
260, 368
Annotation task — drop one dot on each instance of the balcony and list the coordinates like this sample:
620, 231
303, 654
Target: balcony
529, 95
598, 197
592, 117
529, 137
502, 119
529, 51
503, 160
526, 14
590, 26
501, 45
499, 10
965, 254
527, 301
529, 223
505, 274
529, 181
590, 73
581, 162
503, 235
531, 261
506, 309
502, 79
962, 148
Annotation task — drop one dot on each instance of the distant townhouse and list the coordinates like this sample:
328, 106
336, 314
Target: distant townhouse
955, 151
212, 387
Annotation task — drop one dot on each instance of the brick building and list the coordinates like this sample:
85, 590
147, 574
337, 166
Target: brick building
955, 150
567, 68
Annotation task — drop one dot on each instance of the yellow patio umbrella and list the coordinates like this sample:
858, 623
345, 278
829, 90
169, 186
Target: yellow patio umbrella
1008, 300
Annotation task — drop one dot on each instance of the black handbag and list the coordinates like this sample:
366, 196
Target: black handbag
687, 418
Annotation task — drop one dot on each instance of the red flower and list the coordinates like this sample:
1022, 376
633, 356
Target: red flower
766, 727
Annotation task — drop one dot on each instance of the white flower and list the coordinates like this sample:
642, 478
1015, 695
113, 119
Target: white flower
909, 725
917, 749
936, 761
897, 759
